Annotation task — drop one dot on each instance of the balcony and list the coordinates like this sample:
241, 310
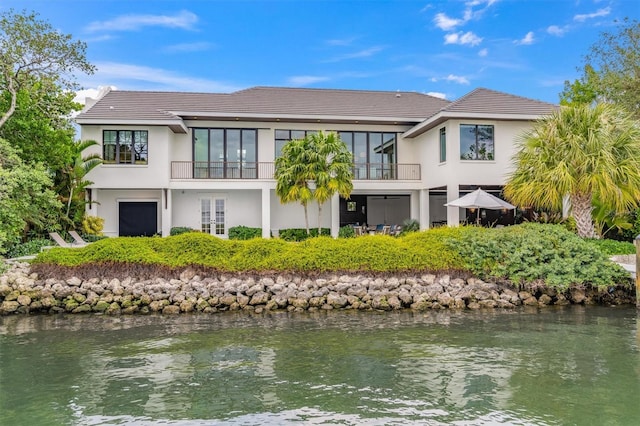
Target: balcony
219, 170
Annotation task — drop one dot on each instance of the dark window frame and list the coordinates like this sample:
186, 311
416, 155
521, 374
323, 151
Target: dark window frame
276, 139
443, 144
132, 144
227, 169
490, 156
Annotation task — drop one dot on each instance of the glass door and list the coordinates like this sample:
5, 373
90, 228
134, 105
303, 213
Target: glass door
213, 216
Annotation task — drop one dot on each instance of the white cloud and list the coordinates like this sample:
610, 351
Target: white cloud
95, 93
596, 14
147, 78
526, 40
189, 47
185, 20
457, 79
305, 80
483, 52
460, 38
341, 41
364, 53
556, 30
445, 23
437, 95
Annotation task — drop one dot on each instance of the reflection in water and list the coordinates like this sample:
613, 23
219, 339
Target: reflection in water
555, 366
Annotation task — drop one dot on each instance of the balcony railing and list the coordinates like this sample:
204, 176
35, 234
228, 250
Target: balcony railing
255, 170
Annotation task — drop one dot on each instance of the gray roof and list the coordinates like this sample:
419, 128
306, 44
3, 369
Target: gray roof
259, 102
485, 103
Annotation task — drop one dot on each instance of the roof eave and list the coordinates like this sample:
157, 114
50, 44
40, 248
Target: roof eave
441, 117
176, 125
307, 118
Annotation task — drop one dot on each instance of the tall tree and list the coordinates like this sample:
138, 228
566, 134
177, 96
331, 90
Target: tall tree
612, 69
25, 198
332, 168
583, 152
74, 182
35, 57
292, 175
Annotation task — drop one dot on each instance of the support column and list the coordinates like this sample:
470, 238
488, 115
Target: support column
266, 212
453, 213
637, 244
335, 215
167, 210
425, 219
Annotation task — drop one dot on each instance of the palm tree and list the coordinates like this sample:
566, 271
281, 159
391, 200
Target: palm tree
582, 152
292, 175
332, 165
74, 175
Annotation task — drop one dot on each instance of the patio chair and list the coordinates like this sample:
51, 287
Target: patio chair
386, 230
78, 241
59, 240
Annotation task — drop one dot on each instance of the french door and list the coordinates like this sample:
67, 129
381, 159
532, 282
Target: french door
213, 216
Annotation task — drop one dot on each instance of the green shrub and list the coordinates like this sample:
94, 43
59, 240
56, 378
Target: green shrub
410, 225
613, 247
522, 253
532, 251
30, 247
346, 232
177, 230
244, 233
300, 234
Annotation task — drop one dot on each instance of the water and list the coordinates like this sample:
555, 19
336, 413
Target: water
555, 366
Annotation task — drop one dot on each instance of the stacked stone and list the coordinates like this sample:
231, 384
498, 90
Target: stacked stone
23, 292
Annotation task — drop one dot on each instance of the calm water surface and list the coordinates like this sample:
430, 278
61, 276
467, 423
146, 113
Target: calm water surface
566, 366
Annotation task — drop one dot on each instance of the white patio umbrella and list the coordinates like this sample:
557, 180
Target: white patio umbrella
480, 199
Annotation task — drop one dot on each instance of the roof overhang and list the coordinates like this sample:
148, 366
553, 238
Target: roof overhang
176, 125
295, 118
443, 116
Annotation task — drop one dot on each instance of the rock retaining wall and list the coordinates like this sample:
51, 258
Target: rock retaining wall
23, 292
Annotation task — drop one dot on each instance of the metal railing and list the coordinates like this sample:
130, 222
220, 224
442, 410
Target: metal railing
257, 170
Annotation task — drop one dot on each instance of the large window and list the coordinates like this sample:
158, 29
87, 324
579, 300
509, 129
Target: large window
125, 146
284, 136
443, 145
476, 142
225, 153
374, 154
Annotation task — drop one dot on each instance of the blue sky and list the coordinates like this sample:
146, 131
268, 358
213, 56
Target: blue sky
445, 48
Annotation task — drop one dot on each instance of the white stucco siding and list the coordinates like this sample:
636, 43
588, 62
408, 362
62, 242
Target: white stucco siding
291, 215
243, 207
108, 207
155, 174
467, 172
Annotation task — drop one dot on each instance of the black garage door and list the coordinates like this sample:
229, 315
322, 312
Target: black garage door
138, 218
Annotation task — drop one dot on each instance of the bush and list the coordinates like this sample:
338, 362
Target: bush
532, 251
30, 247
522, 253
613, 247
346, 232
300, 234
92, 225
244, 233
410, 225
177, 230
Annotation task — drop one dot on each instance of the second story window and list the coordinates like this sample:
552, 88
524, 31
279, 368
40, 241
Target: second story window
125, 146
284, 136
476, 142
443, 145
374, 154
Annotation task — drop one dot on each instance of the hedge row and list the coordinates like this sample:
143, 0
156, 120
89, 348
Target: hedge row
522, 253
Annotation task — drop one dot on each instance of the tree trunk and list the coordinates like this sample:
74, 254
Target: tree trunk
12, 107
581, 212
306, 218
319, 219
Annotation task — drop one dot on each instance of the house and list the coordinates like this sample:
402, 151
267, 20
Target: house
206, 160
